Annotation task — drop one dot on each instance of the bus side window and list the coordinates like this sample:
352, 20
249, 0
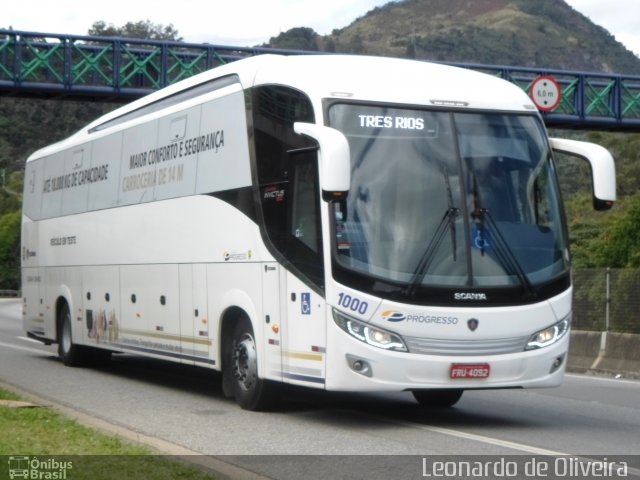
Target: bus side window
289, 191
305, 214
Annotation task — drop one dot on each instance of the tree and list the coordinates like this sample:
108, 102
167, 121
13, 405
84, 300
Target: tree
143, 29
300, 38
27, 124
10, 251
622, 245
625, 148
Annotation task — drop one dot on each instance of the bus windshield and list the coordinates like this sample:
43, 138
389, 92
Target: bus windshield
448, 200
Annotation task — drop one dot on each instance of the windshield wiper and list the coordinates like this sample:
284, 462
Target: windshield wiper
451, 210
503, 251
448, 220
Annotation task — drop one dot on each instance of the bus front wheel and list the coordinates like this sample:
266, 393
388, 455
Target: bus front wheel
250, 391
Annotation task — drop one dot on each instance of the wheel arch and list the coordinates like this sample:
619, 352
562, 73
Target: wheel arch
235, 304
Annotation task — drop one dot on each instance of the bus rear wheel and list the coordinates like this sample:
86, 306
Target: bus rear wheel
72, 355
438, 398
250, 391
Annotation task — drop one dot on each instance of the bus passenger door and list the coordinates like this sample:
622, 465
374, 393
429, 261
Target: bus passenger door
194, 321
288, 178
305, 330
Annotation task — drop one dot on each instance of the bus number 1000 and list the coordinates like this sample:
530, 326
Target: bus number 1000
352, 303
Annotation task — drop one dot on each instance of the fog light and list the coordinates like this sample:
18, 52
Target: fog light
557, 364
359, 365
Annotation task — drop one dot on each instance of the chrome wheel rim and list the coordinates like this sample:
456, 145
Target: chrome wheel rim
245, 362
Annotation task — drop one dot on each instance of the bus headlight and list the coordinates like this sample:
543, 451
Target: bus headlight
369, 334
549, 335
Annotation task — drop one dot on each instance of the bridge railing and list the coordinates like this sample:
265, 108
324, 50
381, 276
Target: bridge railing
73, 66
594, 100
53, 64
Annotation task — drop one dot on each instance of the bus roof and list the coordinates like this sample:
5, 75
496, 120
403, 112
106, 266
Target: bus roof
363, 78
393, 80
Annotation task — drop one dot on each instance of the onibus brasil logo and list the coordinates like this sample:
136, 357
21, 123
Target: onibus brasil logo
38, 468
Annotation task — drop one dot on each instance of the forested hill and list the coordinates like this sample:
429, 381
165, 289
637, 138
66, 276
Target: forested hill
534, 33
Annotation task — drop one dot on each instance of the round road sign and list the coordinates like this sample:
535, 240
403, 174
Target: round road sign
545, 93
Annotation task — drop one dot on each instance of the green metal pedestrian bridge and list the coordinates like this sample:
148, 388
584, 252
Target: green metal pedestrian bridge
45, 65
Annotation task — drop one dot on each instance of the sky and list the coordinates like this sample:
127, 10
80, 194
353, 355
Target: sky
252, 22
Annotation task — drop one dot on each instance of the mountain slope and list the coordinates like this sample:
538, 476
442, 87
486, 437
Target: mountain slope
540, 33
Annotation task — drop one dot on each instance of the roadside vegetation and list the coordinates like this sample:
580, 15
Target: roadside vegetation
53, 440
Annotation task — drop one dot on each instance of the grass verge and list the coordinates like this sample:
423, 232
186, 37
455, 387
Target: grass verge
37, 439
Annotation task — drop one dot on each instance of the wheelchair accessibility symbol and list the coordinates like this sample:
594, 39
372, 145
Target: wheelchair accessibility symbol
305, 303
480, 239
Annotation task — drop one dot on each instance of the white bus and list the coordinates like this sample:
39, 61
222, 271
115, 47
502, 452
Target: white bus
336, 222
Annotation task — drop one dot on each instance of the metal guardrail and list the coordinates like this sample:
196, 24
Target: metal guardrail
49, 65
10, 293
605, 299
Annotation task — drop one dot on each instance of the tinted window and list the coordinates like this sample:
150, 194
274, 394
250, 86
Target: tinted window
288, 178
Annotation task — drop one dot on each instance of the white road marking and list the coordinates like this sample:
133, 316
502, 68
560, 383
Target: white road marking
603, 379
25, 349
32, 340
480, 438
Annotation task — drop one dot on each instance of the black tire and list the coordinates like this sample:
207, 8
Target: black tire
71, 355
241, 370
438, 398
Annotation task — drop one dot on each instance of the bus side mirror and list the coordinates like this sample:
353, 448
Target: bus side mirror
334, 158
603, 169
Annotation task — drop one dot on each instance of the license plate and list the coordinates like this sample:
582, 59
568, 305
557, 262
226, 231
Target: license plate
461, 371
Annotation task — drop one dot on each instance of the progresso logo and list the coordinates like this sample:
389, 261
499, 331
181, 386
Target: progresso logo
418, 318
393, 316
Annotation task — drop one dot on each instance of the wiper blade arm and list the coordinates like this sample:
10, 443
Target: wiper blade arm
422, 268
503, 251
510, 257
448, 220
452, 223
